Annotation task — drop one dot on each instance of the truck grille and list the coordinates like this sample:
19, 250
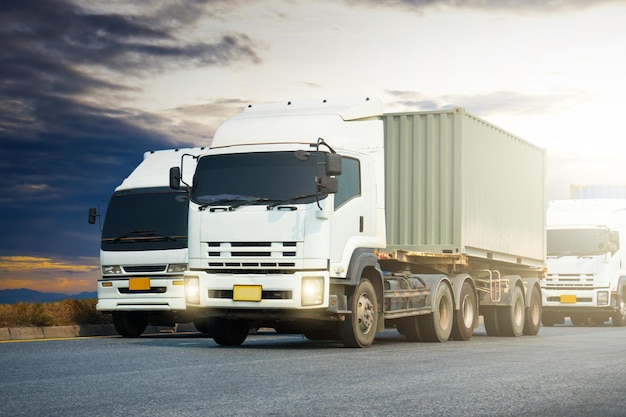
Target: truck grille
252, 254
145, 268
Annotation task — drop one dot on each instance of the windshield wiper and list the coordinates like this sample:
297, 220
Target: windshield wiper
143, 235
290, 200
233, 203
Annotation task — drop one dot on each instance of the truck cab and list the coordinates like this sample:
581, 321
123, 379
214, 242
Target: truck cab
586, 279
143, 251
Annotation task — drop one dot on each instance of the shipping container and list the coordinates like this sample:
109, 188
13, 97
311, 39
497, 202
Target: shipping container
458, 184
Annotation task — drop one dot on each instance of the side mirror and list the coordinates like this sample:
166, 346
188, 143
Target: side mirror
93, 213
175, 178
333, 164
328, 185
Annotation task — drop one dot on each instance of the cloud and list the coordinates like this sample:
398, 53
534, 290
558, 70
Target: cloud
68, 132
509, 102
530, 6
70, 276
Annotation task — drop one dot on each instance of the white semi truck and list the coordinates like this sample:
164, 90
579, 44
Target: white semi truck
334, 220
586, 275
143, 249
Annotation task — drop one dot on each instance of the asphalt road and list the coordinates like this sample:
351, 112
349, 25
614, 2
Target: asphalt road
564, 371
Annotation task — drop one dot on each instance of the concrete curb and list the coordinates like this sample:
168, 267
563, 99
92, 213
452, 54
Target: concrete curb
82, 330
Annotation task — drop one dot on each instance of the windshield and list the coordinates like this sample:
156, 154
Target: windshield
146, 219
577, 242
256, 178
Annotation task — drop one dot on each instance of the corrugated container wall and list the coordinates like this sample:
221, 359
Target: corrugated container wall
458, 184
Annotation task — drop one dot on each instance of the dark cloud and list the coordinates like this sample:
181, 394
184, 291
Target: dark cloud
515, 6
68, 135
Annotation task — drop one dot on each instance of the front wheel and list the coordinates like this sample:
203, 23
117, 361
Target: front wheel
130, 323
359, 330
619, 317
227, 332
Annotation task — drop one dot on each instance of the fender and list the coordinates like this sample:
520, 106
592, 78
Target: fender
457, 282
433, 281
507, 293
361, 259
529, 284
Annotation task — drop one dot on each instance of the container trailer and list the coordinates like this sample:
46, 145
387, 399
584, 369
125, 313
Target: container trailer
337, 221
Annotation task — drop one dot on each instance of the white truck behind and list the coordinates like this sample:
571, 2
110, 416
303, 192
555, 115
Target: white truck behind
143, 249
586, 279
334, 220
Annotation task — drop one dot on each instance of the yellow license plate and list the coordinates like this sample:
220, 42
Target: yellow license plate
247, 293
139, 284
568, 298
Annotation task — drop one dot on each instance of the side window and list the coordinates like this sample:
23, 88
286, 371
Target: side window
349, 181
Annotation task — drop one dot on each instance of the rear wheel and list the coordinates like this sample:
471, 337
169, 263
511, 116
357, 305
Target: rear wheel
228, 332
532, 321
490, 317
130, 323
437, 326
511, 320
359, 330
465, 316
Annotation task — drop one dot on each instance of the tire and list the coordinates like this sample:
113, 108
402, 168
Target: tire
229, 332
130, 323
359, 330
321, 333
511, 321
202, 326
619, 317
490, 318
437, 326
410, 328
548, 319
578, 320
532, 319
466, 315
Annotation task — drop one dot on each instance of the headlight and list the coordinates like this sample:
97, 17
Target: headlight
192, 290
111, 270
176, 268
603, 298
312, 291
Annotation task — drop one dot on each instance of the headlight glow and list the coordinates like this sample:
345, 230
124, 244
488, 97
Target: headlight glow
192, 290
111, 270
312, 291
603, 298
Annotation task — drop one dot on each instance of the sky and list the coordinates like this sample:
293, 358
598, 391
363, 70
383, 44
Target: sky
86, 87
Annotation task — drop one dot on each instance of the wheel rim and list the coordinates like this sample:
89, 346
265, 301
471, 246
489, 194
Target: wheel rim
445, 313
518, 313
535, 313
468, 311
622, 308
365, 314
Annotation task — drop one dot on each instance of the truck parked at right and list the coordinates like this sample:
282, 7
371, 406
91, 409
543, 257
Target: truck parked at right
586, 279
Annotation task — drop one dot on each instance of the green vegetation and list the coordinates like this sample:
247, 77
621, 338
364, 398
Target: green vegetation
59, 313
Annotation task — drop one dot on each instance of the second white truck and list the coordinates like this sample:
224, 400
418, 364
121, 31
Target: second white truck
333, 219
144, 246
586, 279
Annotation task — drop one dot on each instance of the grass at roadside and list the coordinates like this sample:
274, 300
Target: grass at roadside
58, 313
